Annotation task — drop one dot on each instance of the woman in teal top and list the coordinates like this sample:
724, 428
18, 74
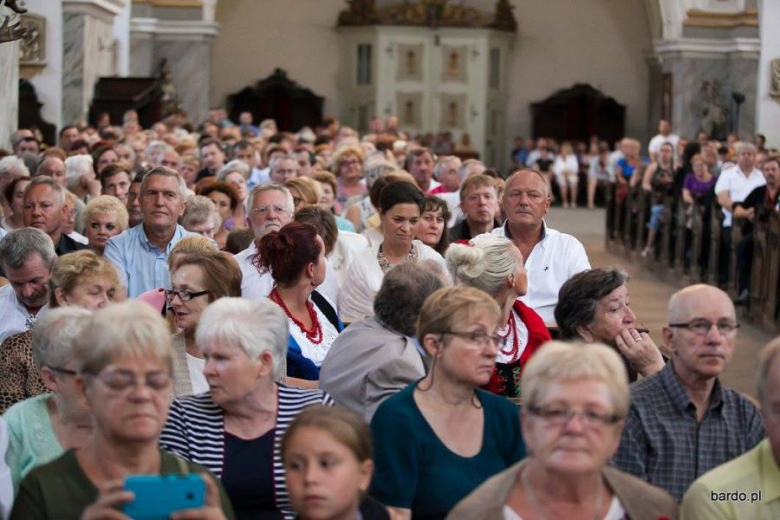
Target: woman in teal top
439, 439
42, 427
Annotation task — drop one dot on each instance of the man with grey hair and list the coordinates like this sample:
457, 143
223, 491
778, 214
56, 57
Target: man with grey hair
270, 207
140, 254
551, 257
375, 358
682, 421
45, 208
283, 169
754, 474
26, 257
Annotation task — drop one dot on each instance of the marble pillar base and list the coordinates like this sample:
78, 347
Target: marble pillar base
9, 92
690, 111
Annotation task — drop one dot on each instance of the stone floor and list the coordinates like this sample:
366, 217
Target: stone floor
649, 294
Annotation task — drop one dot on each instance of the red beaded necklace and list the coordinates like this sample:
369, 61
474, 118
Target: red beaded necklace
315, 333
512, 351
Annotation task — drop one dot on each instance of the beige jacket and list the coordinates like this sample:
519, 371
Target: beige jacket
640, 500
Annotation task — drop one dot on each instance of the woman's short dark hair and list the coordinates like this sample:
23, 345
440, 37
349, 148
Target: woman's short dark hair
401, 192
285, 253
402, 294
225, 188
324, 221
434, 203
221, 273
579, 295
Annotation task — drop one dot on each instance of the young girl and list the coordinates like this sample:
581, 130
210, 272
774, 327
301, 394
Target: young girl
327, 459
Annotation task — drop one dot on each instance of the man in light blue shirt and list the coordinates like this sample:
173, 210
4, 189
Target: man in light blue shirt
140, 254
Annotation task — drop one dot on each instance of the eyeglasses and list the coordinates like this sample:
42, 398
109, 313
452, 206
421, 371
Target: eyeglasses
121, 381
560, 417
65, 371
702, 327
478, 338
184, 296
263, 210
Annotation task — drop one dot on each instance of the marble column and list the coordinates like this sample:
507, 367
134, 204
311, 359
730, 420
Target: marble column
9, 92
186, 47
87, 52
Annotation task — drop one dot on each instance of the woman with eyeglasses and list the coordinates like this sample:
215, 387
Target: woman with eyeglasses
196, 281
348, 169
440, 438
575, 399
123, 359
81, 279
42, 427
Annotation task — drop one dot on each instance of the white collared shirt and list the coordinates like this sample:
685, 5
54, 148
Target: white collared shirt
553, 260
256, 286
14, 314
739, 187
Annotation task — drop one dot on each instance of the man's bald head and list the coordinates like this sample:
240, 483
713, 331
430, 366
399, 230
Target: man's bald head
528, 172
683, 303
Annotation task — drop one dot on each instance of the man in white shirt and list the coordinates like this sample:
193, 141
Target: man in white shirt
551, 257
270, 208
734, 185
665, 135
27, 257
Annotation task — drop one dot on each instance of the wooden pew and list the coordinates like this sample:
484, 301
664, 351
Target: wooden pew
696, 271
716, 218
769, 314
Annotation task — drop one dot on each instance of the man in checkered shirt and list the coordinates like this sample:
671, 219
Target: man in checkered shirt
682, 422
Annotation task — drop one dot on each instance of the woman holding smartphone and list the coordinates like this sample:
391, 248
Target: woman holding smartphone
123, 363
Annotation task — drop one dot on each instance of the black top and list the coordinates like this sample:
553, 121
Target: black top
68, 245
205, 172
461, 231
248, 476
757, 200
370, 509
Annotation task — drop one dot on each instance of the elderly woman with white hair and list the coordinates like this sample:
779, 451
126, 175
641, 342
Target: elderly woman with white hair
493, 264
81, 178
41, 428
575, 398
123, 360
235, 429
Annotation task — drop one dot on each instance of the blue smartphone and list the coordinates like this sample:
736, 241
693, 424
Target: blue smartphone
157, 496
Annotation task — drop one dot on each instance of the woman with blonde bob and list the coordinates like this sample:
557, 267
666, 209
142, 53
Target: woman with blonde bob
493, 264
425, 465
104, 217
575, 399
123, 360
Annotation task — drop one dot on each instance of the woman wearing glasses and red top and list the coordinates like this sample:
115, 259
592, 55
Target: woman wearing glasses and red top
440, 438
575, 399
123, 359
196, 281
295, 257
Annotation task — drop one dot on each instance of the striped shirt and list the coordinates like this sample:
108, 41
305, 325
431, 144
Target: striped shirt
196, 431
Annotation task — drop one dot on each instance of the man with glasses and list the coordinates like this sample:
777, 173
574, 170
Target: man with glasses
682, 422
270, 208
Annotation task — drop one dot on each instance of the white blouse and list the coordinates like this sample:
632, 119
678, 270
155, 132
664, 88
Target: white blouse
314, 352
364, 277
521, 332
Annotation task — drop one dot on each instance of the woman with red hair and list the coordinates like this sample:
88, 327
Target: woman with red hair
295, 257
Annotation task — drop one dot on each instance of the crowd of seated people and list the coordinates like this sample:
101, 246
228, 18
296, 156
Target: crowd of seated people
326, 325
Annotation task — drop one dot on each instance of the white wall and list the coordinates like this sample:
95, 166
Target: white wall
559, 43
48, 82
122, 40
768, 110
